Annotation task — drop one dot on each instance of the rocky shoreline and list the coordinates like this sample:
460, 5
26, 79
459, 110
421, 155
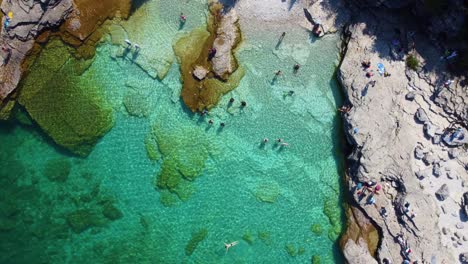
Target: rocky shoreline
407, 127
402, 139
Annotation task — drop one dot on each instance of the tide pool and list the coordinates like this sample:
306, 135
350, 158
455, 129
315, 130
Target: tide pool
282, 203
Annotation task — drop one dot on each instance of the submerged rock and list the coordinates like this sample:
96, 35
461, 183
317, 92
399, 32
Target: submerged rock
57, 170
268, 192
83, 219
69, 108
196, 239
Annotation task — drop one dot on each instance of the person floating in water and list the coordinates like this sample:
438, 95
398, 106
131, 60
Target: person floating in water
128, 42
296, 68
229, 245
243, 104
265, 140
182, 18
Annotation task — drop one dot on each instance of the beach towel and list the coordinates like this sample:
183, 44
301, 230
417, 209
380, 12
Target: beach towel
381, 68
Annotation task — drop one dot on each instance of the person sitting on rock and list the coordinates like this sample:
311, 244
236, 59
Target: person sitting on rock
369, 74
211, 53
366, 64
383, 212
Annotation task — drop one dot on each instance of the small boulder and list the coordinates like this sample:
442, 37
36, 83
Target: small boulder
421, 116
442, 193
200, 72
430, 130
453, 153
436, 140
410, 96
436, 170
418, 152
424, 173
429, 158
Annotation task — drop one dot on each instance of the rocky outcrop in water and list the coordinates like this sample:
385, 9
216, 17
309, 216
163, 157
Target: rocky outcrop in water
208, 66
228, 35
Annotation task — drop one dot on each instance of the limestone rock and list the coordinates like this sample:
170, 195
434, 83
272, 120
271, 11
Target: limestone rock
200, 72
357, 253
410, 96
453, 153
443, 192
436, 170
421, 116
419, 152
228, 36
29, 19
426, 173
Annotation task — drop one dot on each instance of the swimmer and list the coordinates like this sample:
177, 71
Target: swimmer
243, 104
278, 73
210, 121
265, 140
228, 246
296, 68
279, 140
222, 124
183, 18
137, 47
129, 44
231, 100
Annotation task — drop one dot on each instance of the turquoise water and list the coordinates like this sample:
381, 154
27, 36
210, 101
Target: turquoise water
264, 196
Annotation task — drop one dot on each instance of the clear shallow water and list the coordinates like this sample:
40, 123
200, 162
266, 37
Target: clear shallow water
237, 174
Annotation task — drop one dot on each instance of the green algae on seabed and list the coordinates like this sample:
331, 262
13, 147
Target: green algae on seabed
137, 103
316, 259
67, 104
334, 217
268, 192
248, 237
6, 109
316, 229
291, 249
197, 237
184, 154
192, 50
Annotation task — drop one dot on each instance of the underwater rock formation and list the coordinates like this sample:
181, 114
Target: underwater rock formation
70, 109
182, 162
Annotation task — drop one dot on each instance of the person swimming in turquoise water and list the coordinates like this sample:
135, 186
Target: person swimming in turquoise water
228, 246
